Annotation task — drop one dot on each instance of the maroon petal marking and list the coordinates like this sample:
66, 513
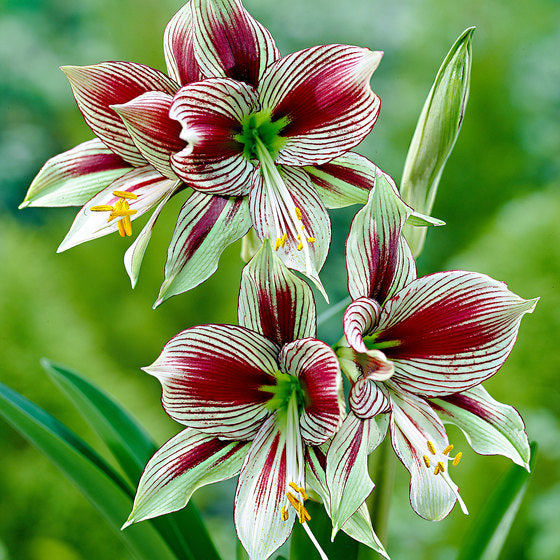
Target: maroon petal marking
367, 399
99, 86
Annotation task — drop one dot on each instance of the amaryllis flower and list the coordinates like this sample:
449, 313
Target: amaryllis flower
253, 398
262, 140
419, 349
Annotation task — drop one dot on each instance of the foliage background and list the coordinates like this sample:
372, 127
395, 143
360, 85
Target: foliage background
499, 195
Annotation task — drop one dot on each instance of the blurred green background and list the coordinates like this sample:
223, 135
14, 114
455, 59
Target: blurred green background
499, 195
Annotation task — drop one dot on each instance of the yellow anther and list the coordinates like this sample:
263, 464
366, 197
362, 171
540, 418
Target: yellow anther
298, 237
447, 449
301, 513
127, 225
441, 467
294, 486
302, 228
293, 500
436, 470
311, 239
457, 458
278, 244
426, 461
300, 246
283, 240
122, 231
125, 194
122, 213
298, 213
303, 493
284, 514
431, 447
101, 208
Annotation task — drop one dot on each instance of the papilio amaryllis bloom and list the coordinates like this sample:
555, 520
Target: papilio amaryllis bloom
418, 349
264, 142
253, 398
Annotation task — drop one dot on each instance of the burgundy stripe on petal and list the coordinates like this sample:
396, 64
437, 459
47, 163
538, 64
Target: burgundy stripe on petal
99, 86
156, 135
324, 94
317, 367
212, 376
367, 399
229, 42
210, 113
454, 330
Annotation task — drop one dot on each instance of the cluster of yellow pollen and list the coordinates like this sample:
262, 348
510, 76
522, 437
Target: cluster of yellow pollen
281, 241
121, 210
440, 467
303, 514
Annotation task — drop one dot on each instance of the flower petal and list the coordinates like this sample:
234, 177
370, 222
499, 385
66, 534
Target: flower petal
211, 377
156, 135
275, 302
185, 463
324, 94
360, 319
99, 86
145, 182
260, 494
205, 227
178, 46
135, 253
272, 217
454, 330
210, 113
378, 260
413, 423
231, 43
316, 366
345, 180
73, 177
367, 399
347, 469
358, 525
491, 428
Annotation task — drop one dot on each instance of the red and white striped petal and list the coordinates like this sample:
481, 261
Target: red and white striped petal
212, 376
145, 182
156, 135
316, 365
360, 319
325, 95
99, 86
367, 399
272, 213
205, 227
185, 463
413, 423
454, 330
210, 113
229, 42
378, 260
135, 253
345, 180
275, 302
491, 428
347, 466
178, 47
73, 177
261, 494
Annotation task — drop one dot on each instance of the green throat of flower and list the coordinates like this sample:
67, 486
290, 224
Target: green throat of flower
372, 343
288, 389
259, 128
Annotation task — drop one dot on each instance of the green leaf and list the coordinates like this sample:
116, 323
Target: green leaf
132, 447
435, 134
103, 487
489, 532
301, 547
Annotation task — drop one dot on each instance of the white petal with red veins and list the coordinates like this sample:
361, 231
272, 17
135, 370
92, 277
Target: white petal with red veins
145, 182
273, 301
73, 177
454, 330
324, 94
212, 376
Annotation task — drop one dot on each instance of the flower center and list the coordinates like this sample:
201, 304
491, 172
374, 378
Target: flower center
260, 126
121, 210
372, 343
287, 386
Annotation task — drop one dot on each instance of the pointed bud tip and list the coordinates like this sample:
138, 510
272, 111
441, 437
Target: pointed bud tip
128, 523
24, 204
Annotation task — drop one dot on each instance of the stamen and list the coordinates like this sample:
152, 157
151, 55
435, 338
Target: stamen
436, 470
294, 486
127, 225
457, 458
122, 231
300, 246
283, 240
284, 514
303, 493
431, 447
426, 461
447, 449
293, 500
441, 467
278, 243
311, 239
101, 208
298, 213
122, 213
125, 194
